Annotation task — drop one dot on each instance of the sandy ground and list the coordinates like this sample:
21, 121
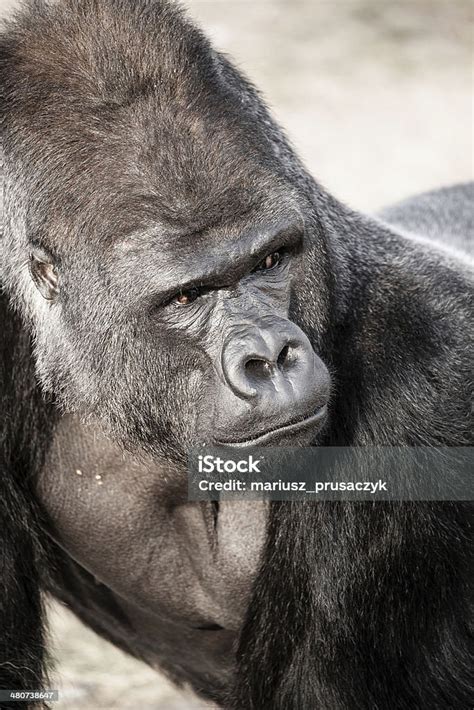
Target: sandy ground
377, 97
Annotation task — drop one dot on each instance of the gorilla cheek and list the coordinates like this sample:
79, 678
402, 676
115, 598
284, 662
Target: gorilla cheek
172, 404
63, 369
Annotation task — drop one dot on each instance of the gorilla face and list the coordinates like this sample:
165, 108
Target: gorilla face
173, 340
264, 381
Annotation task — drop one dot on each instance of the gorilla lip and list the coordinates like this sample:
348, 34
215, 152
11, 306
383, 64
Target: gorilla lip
290, 427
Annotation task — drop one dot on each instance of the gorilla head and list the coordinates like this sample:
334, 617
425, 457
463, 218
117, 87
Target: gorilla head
157, 231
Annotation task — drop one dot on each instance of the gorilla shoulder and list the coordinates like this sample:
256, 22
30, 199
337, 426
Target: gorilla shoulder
445, 215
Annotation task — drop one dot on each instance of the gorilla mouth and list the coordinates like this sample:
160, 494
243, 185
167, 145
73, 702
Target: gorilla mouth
292, 426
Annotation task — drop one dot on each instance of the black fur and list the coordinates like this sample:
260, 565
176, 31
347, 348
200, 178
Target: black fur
117, 116
27, 422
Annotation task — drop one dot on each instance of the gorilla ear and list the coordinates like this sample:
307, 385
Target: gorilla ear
43, 272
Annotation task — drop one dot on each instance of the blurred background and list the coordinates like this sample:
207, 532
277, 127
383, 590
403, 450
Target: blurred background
377, 96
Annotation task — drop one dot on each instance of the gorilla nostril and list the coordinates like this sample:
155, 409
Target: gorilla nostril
258, 368
283, 357
288, 356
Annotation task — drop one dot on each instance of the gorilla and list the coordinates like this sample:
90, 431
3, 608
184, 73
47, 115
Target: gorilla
172, 276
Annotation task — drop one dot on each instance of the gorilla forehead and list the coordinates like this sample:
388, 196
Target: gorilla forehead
138, 202
184, 258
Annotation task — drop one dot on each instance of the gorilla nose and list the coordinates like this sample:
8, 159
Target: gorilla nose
262, 365
280, 360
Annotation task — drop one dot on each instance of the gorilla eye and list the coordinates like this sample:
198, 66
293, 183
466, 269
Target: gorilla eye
270, 261
184, 298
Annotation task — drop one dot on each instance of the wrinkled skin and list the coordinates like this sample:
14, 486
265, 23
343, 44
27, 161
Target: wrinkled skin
173, 277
